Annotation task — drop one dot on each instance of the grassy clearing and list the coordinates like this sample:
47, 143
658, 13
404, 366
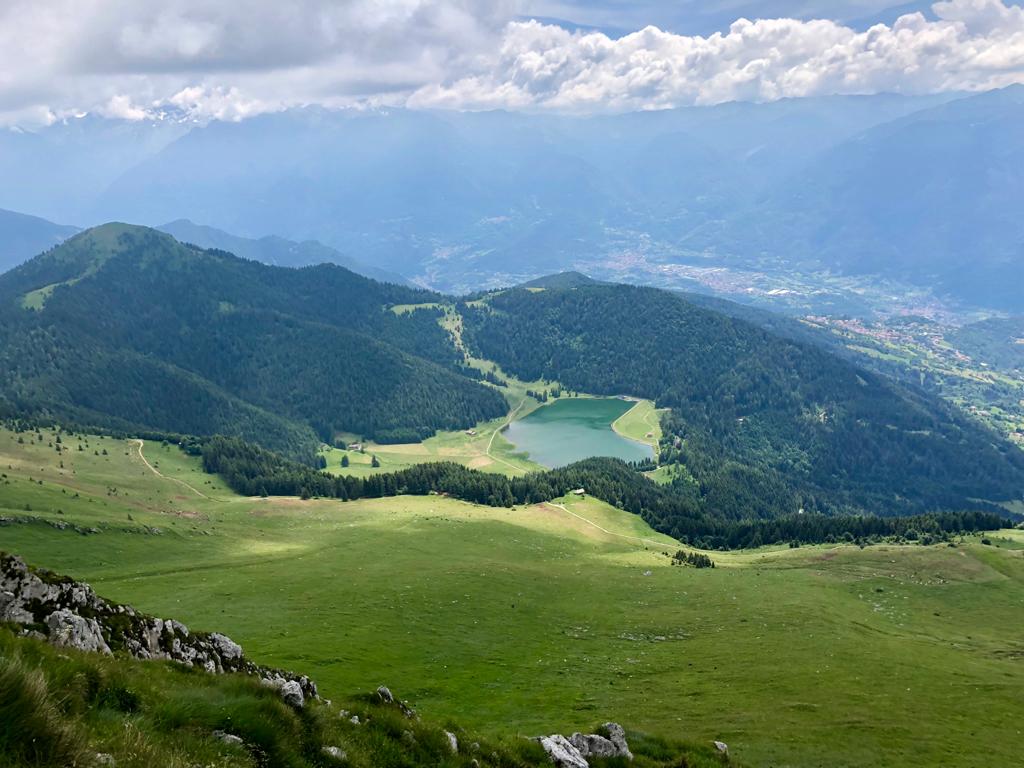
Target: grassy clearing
641, 423
533, 620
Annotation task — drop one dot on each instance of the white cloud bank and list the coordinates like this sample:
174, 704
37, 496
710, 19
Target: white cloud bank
133, 58
974, 45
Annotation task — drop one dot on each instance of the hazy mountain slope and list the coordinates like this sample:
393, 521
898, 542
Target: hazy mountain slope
998, 342
273, 250
22, 237
560, 280
465, 200
147, 331
932, 198
763, 424
60, 171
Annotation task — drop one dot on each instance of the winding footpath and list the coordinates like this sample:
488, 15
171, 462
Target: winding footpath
605, 530
494, 434
155, 471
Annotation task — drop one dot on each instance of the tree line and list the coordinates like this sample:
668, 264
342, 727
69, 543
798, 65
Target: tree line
254, 471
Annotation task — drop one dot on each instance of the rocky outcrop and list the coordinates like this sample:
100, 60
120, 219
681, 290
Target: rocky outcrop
70, 614
573, 752
70, 630
562, 752
386, 697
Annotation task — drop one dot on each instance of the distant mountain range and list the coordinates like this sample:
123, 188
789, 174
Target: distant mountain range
274, 250
920, 190
22, 237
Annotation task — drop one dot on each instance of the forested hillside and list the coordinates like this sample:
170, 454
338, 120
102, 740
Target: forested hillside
760, 426
125, 327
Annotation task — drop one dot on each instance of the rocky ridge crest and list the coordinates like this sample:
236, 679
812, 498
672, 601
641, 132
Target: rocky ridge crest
69, 613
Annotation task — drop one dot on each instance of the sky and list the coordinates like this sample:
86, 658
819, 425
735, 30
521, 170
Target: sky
139, 59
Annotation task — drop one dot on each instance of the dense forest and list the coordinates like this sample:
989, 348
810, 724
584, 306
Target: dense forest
132, 329
253, 471
761, 426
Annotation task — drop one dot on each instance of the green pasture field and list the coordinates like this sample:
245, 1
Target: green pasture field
641, 423
551, 617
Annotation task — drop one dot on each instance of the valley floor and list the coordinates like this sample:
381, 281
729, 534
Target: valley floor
542, 619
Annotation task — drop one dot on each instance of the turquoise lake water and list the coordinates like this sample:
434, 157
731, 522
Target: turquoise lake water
573, 429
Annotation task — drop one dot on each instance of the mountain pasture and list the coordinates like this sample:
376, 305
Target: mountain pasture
544, 618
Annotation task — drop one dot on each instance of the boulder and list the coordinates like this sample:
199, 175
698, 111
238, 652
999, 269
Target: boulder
592, 745
73, 631
453, 743
385, 695
617, 736
228, 738
104, 758
336, 753
292, 694
228, 649
562, 753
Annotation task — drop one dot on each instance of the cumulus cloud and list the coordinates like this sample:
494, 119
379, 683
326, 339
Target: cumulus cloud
974, 44
230, 59
137, 58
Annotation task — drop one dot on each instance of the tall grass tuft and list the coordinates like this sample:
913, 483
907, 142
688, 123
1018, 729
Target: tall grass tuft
33, 731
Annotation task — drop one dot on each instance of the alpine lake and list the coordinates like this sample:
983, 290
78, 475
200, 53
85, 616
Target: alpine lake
572, 429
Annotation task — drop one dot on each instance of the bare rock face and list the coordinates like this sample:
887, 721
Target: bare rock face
73, 631
617, 736
70, 614
291, 692
593, 745
574, 751
563, 753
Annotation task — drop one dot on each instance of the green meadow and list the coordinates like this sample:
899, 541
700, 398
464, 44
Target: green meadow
552, 617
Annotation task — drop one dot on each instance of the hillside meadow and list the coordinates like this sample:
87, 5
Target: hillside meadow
550, 617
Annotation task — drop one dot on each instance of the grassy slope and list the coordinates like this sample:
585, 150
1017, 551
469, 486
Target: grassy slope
641, 423
59, 708
533, 620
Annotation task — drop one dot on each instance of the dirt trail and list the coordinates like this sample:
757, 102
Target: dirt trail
509, 420
652, 542
155, 471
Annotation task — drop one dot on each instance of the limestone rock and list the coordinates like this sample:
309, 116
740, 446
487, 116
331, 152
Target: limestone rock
562, 753
103, 758
228, 648
385, 695
292, 694
592, 745
336, 753
617, 736
722, 747
73, 631
228, 738
453, 743
73, 615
